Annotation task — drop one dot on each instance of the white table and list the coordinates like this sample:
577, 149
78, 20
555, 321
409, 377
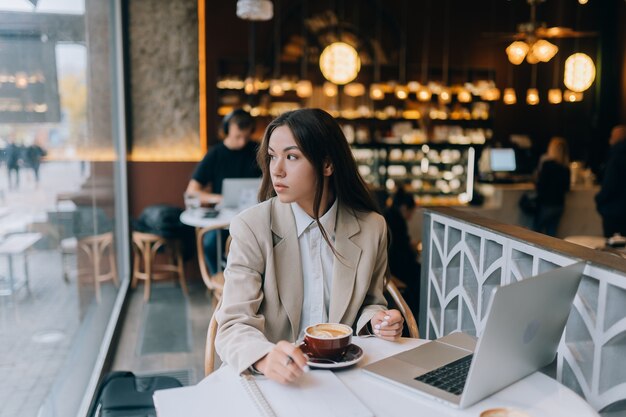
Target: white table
537, 395
17, 245
195, 218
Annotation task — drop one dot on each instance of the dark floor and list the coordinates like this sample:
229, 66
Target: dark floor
167, 335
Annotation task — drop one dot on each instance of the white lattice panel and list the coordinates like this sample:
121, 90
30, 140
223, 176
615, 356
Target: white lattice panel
466, 262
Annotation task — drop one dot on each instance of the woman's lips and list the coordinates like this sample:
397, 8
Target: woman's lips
279, 187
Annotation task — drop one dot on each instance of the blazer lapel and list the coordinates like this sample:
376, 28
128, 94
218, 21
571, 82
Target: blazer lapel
345, 265
287, 263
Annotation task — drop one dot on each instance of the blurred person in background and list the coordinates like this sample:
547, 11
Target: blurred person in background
553, 182
403, 255
13, 157
234, 157
32, 158
611, 200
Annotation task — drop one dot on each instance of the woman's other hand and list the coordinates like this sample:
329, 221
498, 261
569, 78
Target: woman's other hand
387, 324
284, 364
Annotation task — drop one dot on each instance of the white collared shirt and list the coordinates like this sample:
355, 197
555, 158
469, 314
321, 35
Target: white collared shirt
317, 264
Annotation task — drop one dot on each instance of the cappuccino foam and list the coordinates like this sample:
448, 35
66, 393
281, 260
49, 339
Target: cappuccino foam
328, 332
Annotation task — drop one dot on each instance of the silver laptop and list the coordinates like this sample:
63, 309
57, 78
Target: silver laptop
523, 327
239, 193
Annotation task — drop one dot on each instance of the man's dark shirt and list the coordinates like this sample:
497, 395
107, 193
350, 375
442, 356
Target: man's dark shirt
221, 162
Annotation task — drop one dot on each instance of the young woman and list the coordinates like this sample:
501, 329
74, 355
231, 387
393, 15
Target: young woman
315, 250
553, 181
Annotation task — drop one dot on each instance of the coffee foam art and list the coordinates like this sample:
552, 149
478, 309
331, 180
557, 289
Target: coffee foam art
328, 331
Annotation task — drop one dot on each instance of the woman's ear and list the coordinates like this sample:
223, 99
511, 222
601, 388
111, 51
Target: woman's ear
328, 169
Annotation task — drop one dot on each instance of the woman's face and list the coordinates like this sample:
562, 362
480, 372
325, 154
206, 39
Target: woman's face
293, 176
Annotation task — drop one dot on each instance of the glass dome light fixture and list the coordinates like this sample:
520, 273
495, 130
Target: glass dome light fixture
572, 96
255, 9
376, 92
330, 89
354, 89
543, 50
555, 96
340, 63
304, 89
532, 96
516, 52
509, 96
580, 72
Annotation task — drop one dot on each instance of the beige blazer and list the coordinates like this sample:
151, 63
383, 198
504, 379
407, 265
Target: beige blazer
263, 290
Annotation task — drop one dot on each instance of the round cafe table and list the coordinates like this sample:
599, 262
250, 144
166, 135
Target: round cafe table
197, 219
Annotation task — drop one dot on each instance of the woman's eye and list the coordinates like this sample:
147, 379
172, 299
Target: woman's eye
292, 157
272, 156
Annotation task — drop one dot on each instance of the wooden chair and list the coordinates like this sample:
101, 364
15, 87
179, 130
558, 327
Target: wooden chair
409, 319
209, 350
146, 246
98, 248
213, 282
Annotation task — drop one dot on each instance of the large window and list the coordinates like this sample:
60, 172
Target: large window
63, 237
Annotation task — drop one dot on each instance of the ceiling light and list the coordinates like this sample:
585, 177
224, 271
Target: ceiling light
330, 89
376, 92
544, 50
572, 96
464, 96
532, 96
444, 95
517, 52
424, 94
402, 92
340, 63
354, 89
509, 96
304, 88
555, 95
255, 9
579, 72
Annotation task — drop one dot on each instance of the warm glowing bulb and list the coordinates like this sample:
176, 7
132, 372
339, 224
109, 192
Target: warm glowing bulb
532, 96
517, 51
402, 92
340, 63
276, 88
543, 50
424, 94
579, 72
572, 96
509, 96
555, 95
354, 89
376, 92
330, 89
249, 86
582, 1
445, 96
304, 89
464, 96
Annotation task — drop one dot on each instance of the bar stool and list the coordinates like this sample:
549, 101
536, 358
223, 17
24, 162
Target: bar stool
98, 248
146, 246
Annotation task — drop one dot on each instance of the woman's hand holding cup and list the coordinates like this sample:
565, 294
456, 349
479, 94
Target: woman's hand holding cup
285, 363
387, 324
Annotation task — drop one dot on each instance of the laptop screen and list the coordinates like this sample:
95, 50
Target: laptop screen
502, 160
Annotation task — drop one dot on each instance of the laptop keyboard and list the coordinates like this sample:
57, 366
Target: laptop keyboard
450, 377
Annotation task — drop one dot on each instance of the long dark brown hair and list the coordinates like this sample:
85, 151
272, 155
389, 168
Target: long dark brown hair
321, 141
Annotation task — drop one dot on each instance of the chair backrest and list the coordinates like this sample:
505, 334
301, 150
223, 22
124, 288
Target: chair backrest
409, 318
209, 351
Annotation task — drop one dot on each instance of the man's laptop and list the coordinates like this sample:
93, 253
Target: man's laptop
523, 327
239, 193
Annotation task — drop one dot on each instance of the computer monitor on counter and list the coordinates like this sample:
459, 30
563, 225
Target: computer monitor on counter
502, 160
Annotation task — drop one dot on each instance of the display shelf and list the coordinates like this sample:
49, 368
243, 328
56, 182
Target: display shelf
436, 173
